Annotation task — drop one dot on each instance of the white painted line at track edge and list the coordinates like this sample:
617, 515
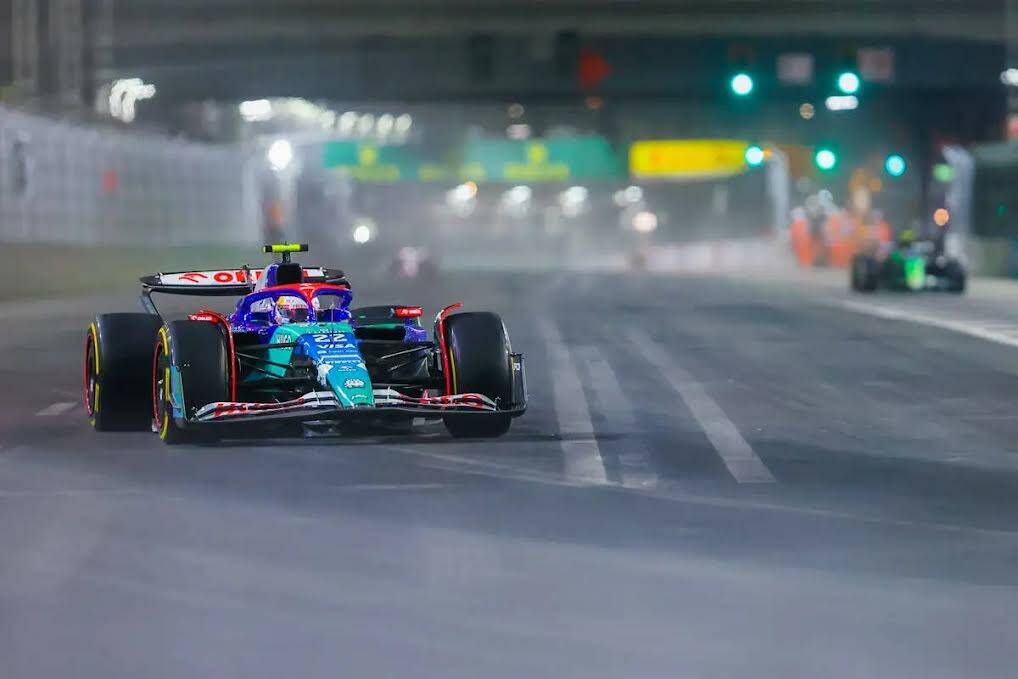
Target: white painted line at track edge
971, 328
56, 409
742, 461
581, 452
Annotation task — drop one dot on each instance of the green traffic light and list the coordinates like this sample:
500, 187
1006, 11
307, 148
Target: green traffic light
895, 165
825, 159
741, 84
848, 82
754, 156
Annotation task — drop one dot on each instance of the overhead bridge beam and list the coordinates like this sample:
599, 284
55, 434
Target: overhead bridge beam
221, 22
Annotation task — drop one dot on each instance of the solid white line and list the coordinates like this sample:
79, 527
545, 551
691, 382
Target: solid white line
968, 327
581, 453
611, 402
56, 409
742, 461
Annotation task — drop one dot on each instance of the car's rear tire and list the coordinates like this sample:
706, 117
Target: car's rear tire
954, 272
864, 273
197, 352
117, 365
479, 356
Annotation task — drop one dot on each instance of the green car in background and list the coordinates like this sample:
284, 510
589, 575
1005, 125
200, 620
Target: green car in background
909, 266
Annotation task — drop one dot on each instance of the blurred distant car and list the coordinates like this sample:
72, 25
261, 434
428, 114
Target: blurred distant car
412, 263
294, 353
909, 265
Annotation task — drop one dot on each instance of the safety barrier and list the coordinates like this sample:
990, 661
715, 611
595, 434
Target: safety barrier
75, 184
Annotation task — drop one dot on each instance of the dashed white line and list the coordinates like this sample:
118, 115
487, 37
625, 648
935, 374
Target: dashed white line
610, 400
56, 409
580, 451
739, 457
971, 328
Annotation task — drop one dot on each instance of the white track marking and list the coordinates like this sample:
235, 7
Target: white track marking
582, 455
742, 461
987, 331
56, 409
610, 401
472, 466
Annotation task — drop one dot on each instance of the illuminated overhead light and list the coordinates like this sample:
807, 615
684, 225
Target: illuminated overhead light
754, 156
363, 230
848, 82
644, 222
574, 195
741, 84
1009, 77
385, 124
347, 123
841, 103
280, 154
941, 216
516, 201
327, 119
515, 111
255, 111
461, 198
365, 124
806, 111
518, 194
943, 173
573, 200
895, 165
825, 159
403, 123
633, 194
518, 131
465, 191
361, 234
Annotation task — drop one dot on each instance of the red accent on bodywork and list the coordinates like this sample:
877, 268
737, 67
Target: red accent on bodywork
215, 317
305, 290
446, 359
408, 311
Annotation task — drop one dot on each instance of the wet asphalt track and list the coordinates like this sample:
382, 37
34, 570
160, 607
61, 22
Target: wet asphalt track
875, 533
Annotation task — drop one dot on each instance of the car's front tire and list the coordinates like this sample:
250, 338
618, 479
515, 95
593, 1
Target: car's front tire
480, 362
195, 353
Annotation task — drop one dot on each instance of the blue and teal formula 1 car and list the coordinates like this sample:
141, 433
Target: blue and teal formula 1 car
294, 357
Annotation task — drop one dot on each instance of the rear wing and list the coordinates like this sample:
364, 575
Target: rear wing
221, 282
226, 282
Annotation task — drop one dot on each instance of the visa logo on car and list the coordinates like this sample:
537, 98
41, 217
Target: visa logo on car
338, 340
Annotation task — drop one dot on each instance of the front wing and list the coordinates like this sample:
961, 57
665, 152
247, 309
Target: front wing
325, 405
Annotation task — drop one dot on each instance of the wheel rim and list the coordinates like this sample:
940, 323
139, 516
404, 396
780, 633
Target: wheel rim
91, 376
160, 391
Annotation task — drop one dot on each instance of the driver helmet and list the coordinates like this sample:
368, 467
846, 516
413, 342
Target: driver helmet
290, 309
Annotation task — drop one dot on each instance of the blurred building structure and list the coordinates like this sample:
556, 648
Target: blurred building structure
412, 89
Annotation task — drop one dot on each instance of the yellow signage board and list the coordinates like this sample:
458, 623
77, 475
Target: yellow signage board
687, 158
